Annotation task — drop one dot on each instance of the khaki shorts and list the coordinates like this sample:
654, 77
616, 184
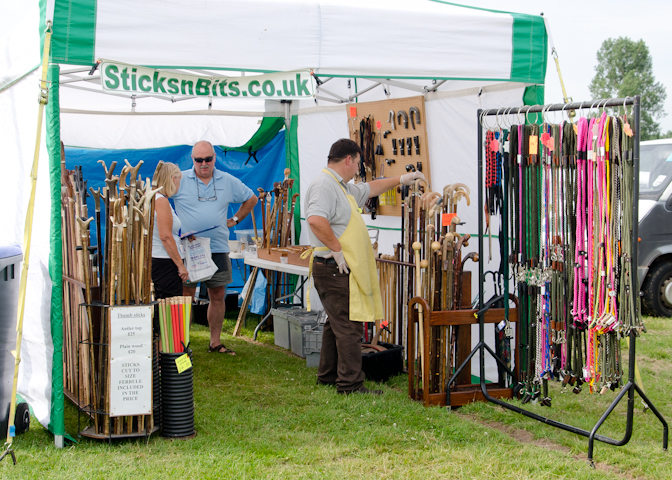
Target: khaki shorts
222, 277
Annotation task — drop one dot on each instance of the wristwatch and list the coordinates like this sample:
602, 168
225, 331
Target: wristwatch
235, 219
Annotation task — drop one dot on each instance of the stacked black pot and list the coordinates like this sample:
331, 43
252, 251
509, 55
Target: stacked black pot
177, 397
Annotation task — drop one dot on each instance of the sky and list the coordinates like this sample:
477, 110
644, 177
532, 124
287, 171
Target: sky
578, 29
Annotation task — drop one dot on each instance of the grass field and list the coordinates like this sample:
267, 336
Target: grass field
261, 415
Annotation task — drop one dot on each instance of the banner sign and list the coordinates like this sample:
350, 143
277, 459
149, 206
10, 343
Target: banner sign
121, 77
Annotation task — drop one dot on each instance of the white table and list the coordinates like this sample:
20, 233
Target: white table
277, 267
258, 263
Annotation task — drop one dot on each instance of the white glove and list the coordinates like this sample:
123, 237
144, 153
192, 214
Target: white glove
340, 261
411, 177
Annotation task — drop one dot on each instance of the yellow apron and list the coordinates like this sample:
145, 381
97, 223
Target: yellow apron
366, 304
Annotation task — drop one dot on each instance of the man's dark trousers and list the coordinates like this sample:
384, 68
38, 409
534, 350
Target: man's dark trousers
341, 355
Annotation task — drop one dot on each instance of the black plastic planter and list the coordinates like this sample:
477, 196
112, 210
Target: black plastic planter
177, 397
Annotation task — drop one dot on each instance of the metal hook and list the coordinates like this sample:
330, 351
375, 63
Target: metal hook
480, 119
518, 115
497, 119
590, 110
527, 119
490, 128
604, 107
562, 112
506, 118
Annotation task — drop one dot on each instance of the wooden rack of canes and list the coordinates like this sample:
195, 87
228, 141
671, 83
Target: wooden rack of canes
115, 272
438, 298
485, 310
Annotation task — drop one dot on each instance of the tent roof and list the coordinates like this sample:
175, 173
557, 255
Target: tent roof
427, 39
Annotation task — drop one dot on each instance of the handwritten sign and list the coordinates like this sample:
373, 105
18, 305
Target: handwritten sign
447, 218
130, 360
183, 363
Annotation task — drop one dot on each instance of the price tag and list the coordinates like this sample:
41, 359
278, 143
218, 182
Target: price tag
534, 145
446, 218
379, 125
183, 363
353, 112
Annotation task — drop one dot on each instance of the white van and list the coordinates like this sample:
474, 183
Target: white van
655, 227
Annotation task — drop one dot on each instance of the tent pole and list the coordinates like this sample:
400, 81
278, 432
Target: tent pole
27, 234
56, 161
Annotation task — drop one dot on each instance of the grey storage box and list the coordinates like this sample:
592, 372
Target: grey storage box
289, 325
10, 277
312, 345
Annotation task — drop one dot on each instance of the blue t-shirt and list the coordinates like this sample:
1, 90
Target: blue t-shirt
213, 207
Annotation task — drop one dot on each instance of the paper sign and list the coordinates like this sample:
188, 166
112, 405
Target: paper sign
183, 363
130, 360
534, 145
446, 218
353, 112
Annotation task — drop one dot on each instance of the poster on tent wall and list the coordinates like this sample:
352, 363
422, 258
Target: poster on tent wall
130, 360
121, 77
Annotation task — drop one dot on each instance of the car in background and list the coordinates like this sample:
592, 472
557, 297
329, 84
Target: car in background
655, 227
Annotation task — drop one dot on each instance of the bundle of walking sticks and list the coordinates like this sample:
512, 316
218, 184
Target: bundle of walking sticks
114, 272
277, 213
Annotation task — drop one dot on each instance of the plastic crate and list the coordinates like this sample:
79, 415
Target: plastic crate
313, 360
300, 322
289, 325
280, 327
312, 340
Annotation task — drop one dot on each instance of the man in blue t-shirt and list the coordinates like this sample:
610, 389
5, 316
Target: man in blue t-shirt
201, 202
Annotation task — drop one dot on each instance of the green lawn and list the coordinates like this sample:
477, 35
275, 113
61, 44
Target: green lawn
261, 415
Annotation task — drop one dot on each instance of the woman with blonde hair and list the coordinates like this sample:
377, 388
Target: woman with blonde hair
168, 270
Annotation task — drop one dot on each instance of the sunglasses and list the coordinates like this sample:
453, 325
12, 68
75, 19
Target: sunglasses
206, 160
214, 188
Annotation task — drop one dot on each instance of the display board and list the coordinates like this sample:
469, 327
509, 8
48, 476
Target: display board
407, 125
130, 360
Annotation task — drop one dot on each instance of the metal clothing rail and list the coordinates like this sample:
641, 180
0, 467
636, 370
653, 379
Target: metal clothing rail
631, 387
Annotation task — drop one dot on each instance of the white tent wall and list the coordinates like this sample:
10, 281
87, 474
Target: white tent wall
18, 128
154, 131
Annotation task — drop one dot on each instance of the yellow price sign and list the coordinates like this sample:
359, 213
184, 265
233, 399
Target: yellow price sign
183, 363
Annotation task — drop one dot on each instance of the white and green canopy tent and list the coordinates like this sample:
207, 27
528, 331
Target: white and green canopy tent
460, 58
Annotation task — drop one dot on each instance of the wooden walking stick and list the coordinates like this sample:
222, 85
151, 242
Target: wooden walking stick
262, 198
246, 302
84, 232
96, 199
141, 253
148, 208
291, 218
131, 202
271, 222
418, 292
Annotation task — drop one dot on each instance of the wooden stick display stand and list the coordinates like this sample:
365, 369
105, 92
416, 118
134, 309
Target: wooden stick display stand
462, 391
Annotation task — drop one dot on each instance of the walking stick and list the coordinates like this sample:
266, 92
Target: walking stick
418, 291
84, 232
96, 198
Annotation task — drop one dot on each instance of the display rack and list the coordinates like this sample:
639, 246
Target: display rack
630, 387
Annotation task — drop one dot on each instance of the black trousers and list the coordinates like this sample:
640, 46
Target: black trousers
341, 355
